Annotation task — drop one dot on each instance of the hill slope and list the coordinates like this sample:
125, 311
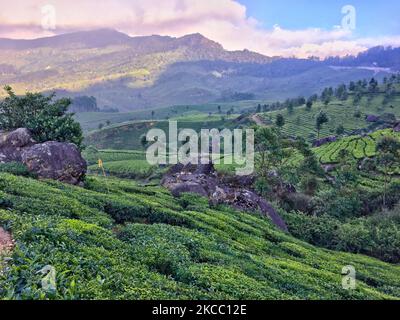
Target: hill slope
115, 240
351, 116
140, 72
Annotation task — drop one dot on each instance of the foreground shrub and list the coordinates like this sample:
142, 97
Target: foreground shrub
377, 236
16, 168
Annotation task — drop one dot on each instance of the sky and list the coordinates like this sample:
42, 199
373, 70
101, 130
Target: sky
300, 28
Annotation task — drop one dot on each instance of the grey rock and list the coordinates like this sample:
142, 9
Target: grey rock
234, 191
12, 144
49, 160
18, 138
55, 160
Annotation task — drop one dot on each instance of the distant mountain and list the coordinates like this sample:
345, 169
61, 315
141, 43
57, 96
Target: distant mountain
381, 57
154, 71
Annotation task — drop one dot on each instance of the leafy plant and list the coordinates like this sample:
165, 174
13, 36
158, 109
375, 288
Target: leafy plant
47, 119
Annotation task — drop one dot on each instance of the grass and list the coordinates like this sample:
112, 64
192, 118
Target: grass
133, 169
122, 241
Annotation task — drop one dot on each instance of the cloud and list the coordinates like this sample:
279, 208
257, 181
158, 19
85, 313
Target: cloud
225, 21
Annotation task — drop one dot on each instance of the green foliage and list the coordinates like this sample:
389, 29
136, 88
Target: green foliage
280, 120
377, 236
320, 120
167, 248
16, 168
48, 120
388, 159
339, 113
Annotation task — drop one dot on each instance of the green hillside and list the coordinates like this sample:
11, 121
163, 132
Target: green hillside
128, 136
301, 122
359, 147
90, 121
115, 240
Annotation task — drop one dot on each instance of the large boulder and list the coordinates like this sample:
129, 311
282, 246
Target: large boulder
234, 191
49, 160
12, 144
55, 160
397, 128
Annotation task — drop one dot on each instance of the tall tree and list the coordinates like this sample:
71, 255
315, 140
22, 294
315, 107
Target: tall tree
321, 119
280, 121
309, 105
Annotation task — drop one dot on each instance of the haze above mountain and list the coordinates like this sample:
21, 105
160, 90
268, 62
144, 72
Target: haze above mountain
155, 71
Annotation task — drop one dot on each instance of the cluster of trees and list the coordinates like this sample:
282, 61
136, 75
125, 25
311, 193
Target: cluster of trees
331, 209
47, 118
357, 89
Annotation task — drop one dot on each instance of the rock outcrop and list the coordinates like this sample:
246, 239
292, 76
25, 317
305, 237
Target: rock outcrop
13, 143
50, 160
397, 128
234, 191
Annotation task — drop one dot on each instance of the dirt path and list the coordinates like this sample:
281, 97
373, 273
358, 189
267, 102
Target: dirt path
257, 119
6, 241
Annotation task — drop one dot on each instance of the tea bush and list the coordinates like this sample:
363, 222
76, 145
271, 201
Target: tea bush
115, 239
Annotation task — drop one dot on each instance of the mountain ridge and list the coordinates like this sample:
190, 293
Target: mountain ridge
131, 73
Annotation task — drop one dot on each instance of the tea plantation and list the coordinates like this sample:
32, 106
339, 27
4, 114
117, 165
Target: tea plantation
114, 239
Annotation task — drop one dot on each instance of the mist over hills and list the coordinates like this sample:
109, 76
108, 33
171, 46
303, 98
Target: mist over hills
131, 73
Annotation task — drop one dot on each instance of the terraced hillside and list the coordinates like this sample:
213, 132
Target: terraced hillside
351, 116
115, 240
359, 147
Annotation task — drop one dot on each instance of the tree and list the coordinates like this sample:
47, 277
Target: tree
357, 97
373, 85
309, 105
290, 107
219, 110
143, 141
388, 160
258, 110
321, 119
271, 151
340, 130
47, 119
301, 101
280, 120
152, 114
101, 126
341, 92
